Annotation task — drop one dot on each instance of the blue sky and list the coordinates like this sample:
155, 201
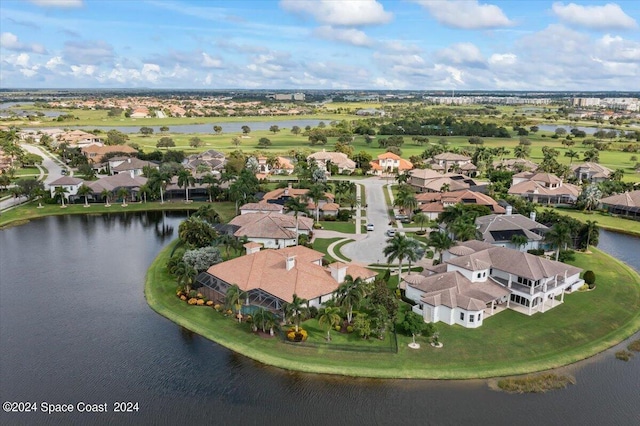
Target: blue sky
321, 44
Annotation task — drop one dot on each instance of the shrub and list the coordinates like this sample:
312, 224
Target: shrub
566, 256
429, 254
537, 252
199, 296
589, 277
183, 297
421, 232
349, 329
624, 355
297, 336
344, 215
313, 312
192, 301
209, 302
200, 302
217, 307
337, 327
193, 293
634, 346
317, 226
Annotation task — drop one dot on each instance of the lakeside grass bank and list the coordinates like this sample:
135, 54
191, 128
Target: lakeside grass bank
29, 211
507, 344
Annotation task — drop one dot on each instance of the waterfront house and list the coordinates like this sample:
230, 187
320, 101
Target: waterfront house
499, 230
272, 230
543, 188
271, 277
481, 280
70, 183
625, 204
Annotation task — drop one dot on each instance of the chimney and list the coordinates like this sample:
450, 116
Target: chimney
291, 262
532, 215
509, 210
252, 248
338, 271
129, 160
287, 189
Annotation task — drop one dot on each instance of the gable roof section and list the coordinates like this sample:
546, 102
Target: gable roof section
626, 199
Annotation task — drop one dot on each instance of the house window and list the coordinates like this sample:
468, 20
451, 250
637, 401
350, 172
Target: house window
471, 317
479, 274
479, 315
462, 316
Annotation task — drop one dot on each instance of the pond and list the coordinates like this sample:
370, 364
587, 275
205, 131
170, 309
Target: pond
74, 326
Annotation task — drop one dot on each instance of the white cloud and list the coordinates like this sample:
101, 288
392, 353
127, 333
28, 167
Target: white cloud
341, 13
349, 36
502, 59
209, 62
58, 3
54, 63
466, 14
10, 41
461, 53
609, 16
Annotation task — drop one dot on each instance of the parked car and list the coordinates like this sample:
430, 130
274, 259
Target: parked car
391, 233
369, 227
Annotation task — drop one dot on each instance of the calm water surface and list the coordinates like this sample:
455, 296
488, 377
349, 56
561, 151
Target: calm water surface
74, 326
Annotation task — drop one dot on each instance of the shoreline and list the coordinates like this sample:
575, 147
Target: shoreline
275, 354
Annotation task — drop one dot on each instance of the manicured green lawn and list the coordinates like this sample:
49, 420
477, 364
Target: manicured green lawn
508, 343
30, 211
605, 220
337, 249
346, 227
322, 245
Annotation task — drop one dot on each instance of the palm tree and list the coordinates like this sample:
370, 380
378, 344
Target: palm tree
295, 205
416, 251
296, 309
349, 294
399, 248
559, 235
210, 180
317, 194
591, 228
84, 191
329, 318
185, 179
144, 190
519, 240
421, 219
234, 298
521, 151
344, 187
123, 193
259, 319
452, 213
185, 275
60, 191
571, 154
440, 241
106, 195
462, 229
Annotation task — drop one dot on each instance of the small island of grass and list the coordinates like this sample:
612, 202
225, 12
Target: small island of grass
539, 383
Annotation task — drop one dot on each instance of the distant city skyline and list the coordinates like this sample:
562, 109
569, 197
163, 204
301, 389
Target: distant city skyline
322, 44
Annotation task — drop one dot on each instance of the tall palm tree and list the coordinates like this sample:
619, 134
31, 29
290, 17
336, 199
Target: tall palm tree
296, 309
521, 151
519, 240
329, 318
559, 235
60, 191
185, 179
571, 154
145, 191
421, 219
416, 251
123, 193
440, 241
462, 229
317, 194
84, 191
349, 294
235, 297
296, 205
106, 196
210, 180
591, 228
452, 213
185, 275
399, 248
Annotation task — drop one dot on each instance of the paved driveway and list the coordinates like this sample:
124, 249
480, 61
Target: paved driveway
369, 249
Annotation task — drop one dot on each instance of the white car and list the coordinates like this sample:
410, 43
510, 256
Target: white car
391, 233
369, 227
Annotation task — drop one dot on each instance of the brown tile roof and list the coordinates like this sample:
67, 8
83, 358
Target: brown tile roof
265, 207
493, 222
627, 199
270, 225
452, 289
513, 261
450, 156
121, 180
66, 180
533, 187
266, 270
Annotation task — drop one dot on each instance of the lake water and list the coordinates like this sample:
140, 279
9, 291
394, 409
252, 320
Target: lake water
74, 326
587, 130
227, 127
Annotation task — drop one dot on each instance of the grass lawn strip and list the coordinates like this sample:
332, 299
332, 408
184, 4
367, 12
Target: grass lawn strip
507, 344
605, 221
